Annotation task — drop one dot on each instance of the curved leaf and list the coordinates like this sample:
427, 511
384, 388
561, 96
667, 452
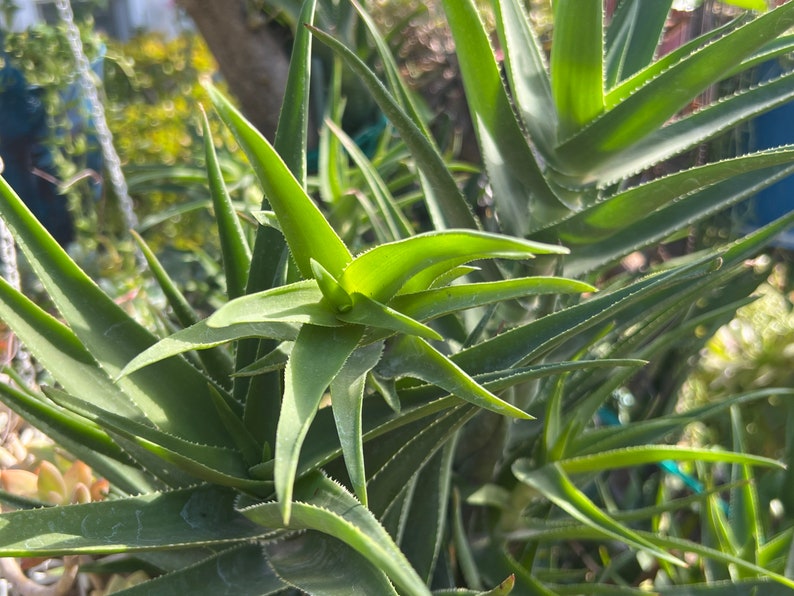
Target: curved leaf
380, 272
651, 454
325, 506
201, 336
293, 121
444, 197
298, 303
650, 106
380, 317
698, 127
308, 233
521, 191
347, 397
170, 394
238, 570
632, 37
188, 517
440, 301
234, 246
552, 482
528, 74
630, 208
317, 357
414, 357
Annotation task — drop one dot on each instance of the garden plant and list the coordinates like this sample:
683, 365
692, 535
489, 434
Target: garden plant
396, 404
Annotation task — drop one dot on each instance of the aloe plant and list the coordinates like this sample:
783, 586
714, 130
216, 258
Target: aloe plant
376, 413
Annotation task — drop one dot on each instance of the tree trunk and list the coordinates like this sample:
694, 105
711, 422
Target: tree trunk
251, 57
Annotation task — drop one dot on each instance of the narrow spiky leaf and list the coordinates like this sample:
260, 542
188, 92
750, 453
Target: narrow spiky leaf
189, 517
293, 121
347, 397
172, 394
317, 356
577, 77
306, 230
234, 245
441, 186
380, 272
325, 506
553, 483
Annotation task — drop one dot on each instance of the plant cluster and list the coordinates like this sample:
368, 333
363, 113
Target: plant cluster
385, 408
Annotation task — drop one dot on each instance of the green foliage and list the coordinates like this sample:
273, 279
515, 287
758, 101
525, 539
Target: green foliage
440, 374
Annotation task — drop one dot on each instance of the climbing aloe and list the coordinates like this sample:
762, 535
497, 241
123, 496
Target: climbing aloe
353, 397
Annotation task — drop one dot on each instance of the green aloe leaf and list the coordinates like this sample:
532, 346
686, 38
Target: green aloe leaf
234, 246
620, 91
273, 360
632, 37
371, 313
57, 348
222, 466
520, 188
323, 505
629, 208
183, 312
63, 423
201, 337
347, 397
666, 221
434, 303
646, 454
395, 224
650, 106
299, 303
553, 483
317, 357
693, 129
306, 230
380, 272
444, 198
217, 363
774, 49
80, 437
577, 77
333, 180
270, 255
528, 74
317, 563
416, 358
517, 346
293, 121
202, 515
103, 338
237, 570
745, 511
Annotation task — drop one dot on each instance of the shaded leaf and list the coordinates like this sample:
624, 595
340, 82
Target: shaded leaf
323, 505
197, 516
317, 357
